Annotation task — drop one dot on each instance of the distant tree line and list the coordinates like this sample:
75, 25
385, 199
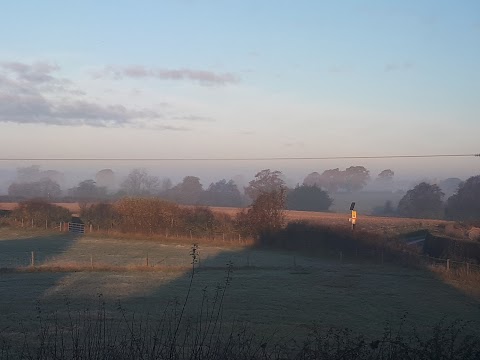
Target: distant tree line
190, 191
314, 194
427, 201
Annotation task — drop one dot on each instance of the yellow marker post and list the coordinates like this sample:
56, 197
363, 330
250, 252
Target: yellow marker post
353, 219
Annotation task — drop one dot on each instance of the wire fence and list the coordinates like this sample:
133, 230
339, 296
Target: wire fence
79, 227
452, 265
83, 253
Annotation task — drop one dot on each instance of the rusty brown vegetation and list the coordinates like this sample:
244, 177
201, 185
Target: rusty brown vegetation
382, 225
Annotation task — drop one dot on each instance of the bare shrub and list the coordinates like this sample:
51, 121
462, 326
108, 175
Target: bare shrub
39, 211
474, 234
455, 230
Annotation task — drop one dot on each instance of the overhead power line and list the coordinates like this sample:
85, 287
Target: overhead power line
250, 158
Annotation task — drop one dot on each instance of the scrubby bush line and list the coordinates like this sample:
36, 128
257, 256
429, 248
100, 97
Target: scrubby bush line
156, 216
39, 211
316, 238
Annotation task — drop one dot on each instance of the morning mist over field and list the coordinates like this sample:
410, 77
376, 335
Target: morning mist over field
275, 179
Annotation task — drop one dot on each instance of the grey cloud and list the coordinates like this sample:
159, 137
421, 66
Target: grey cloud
137, 71
36, 109
39, 72
100, 115
399, 67
39, 75
26, 97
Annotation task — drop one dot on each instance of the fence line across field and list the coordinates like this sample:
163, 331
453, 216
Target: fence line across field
81, 228
248, 259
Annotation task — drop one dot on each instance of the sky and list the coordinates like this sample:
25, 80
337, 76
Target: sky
239, 79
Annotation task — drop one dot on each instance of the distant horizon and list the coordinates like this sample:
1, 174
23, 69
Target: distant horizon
182, 79
293, 174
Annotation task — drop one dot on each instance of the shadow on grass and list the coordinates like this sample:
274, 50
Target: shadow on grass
269, 290
17, 252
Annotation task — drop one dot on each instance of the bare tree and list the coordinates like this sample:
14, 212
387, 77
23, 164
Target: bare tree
265, 182
140, 183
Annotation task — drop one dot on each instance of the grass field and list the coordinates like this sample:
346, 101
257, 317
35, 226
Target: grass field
266, 290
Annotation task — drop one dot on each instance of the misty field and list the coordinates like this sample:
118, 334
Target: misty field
273, 292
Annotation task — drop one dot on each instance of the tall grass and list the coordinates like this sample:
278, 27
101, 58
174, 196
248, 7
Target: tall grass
172, 334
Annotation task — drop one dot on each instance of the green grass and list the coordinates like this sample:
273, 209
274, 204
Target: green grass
270, 295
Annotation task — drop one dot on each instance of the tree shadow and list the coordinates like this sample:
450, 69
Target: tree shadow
273, 291
17, 252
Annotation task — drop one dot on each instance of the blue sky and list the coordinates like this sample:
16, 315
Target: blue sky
242, 79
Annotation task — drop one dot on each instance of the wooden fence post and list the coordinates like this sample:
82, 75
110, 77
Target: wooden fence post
46, 224
468, 268
341, 256
32, 223
32, 262
147, 260
448, 264
91, 261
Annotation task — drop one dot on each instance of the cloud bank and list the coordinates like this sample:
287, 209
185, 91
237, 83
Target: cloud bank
34, 94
